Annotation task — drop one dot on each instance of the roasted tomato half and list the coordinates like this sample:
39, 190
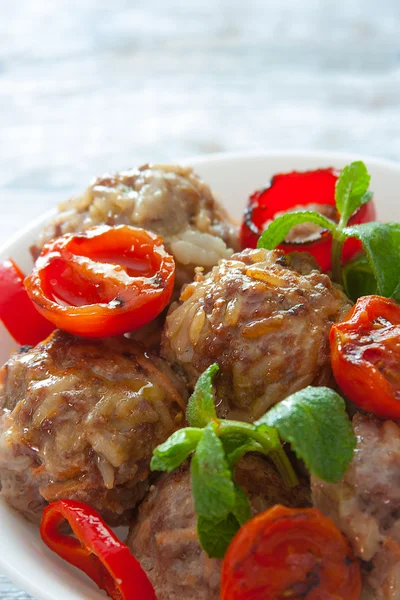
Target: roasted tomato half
288, 192
106, 281
365, 350
290, 553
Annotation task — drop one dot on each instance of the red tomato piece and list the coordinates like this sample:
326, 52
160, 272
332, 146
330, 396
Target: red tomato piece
365, 350
19, 315
290, 553
104, 282
301, 189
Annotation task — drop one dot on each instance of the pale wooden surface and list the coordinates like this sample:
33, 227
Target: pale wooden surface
92, 85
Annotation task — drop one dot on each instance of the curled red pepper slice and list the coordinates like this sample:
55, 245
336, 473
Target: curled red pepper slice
18, 314
307, 190
365, 351
104, 282
96, 550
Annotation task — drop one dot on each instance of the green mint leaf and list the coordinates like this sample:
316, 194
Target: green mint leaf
201, 408
212, 485
278, 229
358, 278
172, 453
315, 423
236, 444
233, 440
396, 293
242, 509
352, 189
215, 535
381, 242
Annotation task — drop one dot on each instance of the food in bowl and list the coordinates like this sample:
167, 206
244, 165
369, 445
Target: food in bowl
195, 389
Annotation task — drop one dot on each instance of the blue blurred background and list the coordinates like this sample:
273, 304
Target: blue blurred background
93, 85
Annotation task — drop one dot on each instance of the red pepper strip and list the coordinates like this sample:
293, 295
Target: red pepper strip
297, 191
19, 315
96, 550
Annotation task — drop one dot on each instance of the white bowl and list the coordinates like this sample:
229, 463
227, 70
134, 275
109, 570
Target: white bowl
232, 177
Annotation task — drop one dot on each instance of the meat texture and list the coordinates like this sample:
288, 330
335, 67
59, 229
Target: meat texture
163, 534
167, 199
366, 505
264, 317
80, 419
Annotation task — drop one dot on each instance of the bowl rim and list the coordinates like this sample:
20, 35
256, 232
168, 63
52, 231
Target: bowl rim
220, 157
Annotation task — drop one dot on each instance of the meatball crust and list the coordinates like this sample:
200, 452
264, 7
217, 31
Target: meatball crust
163, 533
365, 504
265, 318
80, 419
167, 199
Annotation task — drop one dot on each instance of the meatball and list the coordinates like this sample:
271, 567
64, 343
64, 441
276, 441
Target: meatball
366, 504
80, 419
163, 534
167, 199
264, 317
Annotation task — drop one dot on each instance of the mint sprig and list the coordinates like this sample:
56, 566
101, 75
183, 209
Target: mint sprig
358, 278
313, 421
215, 535
201, 408
381, 241
351, 190
172, 453
212, 484
280, 227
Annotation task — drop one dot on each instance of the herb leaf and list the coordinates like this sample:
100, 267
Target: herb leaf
315, 423
242, 509
212, 485
358, 278
352, 189
236, 445
172, 453
215, 535
278, 229
201, 408
381, 242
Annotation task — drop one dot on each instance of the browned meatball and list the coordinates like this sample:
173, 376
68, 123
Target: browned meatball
80, 419
163, 534
167, 199
366, 504
264, 317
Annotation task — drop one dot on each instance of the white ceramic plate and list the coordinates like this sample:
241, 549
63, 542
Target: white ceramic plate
232, 177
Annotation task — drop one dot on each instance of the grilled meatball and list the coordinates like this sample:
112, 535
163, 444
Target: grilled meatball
163, 534
366, 504
264, 317
167, 199
80, 419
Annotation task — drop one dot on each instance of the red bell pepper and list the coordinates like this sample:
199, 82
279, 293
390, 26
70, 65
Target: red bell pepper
19, 315
290, 190
96, 550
